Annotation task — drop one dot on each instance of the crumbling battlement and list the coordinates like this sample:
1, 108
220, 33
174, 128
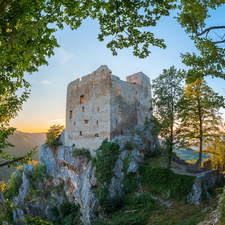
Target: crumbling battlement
100, 106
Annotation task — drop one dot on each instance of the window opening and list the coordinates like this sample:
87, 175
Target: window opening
139, 111
135, 86
118, 91
81, 99
97, 122
96, 135
121, 132
81, 133
82, 109
86, 121
74, 123
71, 114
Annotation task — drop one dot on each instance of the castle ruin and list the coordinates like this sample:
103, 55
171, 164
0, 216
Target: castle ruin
100, 106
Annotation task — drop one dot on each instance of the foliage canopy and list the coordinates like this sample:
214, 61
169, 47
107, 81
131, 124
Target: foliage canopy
168, 90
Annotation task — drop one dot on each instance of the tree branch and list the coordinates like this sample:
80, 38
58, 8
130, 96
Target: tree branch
217, 42
2, 4
209, 29
11, 161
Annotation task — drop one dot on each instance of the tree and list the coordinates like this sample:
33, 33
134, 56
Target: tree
52, 136
167, 91
199, 115
26, 39
217, 150
193, 17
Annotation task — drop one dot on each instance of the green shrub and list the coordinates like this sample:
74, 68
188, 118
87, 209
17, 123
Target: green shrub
58, 189
142, 205
204, 196
129, 181
179, 186
128, 145
52, 136
153, 153
108, 204
222, 218
36, 220
106, 156
82, 152
67, 214
39, 172
100, 222
12, 188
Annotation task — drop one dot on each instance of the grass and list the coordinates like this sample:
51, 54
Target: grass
155, 162
180, 214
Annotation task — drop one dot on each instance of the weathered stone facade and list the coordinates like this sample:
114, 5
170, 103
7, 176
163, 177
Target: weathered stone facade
101, 106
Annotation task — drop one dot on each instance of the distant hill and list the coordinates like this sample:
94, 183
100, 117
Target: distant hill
24, 142
189, 154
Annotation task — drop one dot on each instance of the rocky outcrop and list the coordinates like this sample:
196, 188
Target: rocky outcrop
25, 198
214, 218
76, 176
204, 180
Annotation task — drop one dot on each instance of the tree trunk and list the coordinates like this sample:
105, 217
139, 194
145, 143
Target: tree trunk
171, 146
1, 195
200, 132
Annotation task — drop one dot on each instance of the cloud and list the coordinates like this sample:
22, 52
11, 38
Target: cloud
63, 56
45, 82
57, 121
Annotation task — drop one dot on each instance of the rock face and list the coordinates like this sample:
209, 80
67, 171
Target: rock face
215, 216
203, 180
76, 177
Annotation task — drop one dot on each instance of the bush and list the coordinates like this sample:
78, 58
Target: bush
67, 214
222, 218
129, 181
154, 153
128, 145
108, 204
106, 156
36, 220
52, 136
82, 152
179, 186
142, 205
12, 188
39, 172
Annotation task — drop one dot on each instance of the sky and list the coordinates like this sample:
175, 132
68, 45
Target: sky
81, 53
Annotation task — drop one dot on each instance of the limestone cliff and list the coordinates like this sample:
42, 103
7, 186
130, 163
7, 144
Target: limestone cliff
75, 176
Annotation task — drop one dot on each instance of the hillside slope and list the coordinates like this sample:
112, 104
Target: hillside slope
24, 142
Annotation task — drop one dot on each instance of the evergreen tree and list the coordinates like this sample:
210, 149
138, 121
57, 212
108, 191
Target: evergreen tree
199, 115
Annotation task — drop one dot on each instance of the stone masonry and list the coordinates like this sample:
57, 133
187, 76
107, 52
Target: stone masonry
100, 106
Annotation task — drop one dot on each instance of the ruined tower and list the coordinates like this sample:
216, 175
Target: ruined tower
100, 106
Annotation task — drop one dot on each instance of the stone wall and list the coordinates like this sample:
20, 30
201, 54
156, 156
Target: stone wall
89, 123
130, 106
192, 168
